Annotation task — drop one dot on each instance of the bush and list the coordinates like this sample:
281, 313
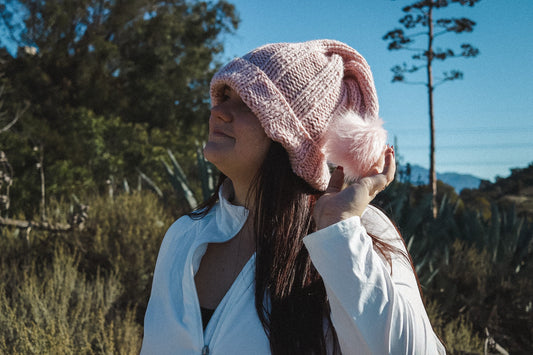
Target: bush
123, 235
81, 292
86, 291
477, 269
56, 309
457, 333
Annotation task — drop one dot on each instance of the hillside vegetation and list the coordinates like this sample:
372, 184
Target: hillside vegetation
515, 190
85, 291
475, 260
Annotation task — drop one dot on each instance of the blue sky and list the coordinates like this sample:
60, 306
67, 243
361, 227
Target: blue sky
484, 123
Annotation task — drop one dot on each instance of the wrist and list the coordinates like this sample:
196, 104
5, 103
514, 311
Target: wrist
327, 221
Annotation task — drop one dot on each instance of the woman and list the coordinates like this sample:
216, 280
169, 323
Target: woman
284, 259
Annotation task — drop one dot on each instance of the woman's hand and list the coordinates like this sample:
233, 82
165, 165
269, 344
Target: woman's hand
338, 204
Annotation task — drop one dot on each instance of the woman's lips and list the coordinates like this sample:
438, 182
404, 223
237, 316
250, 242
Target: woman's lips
219, 133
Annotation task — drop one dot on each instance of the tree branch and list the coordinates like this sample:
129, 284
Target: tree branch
17, 116
412, 82
58, 227
414, 49
440, 33
423, 33
417, 8
439, 82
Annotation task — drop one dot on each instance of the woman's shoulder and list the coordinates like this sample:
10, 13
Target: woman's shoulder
186, 223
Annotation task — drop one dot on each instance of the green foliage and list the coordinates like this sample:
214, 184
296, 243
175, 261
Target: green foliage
145, 61
476, 269
206, 173
86, 291
515, 190
82, 292
180, 183
419, 16
123, 235
94, 148
111, 85
458, 334
54, 308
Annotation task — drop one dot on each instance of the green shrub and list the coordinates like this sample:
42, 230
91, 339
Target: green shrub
457, 333
86, 291
56, 309
123, 235
82, 292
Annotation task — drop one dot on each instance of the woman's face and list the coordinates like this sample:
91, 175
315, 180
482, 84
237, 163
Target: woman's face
237, 143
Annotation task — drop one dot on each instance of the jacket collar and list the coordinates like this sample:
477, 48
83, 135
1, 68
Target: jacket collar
229, 218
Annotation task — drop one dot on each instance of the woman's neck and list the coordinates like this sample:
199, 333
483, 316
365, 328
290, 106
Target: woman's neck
240, 194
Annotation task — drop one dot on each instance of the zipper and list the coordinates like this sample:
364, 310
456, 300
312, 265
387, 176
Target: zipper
195, 299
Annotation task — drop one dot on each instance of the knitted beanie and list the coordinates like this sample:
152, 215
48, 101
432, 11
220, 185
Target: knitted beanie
317, 99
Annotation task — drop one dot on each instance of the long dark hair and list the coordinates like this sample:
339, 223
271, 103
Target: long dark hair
282, 217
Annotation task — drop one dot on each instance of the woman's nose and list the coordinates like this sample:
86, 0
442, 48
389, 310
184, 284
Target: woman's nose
218, 112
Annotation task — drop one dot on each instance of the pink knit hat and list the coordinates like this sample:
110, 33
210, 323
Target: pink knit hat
317, 99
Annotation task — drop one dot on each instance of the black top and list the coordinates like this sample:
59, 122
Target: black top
206, 315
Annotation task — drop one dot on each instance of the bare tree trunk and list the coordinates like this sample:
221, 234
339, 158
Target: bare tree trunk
57, 227
43, 185
17, 115
432, 172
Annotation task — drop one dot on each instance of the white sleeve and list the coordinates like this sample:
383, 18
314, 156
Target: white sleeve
373, 312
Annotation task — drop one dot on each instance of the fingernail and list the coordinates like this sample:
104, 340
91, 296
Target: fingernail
340, 168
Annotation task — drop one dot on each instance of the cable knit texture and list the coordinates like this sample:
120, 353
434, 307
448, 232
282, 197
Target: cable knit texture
317, 99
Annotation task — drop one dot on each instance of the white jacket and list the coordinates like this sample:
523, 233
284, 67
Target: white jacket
373, 312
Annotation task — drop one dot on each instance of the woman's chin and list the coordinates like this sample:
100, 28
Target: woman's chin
215, 152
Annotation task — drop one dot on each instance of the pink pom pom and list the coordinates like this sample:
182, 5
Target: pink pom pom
354, 142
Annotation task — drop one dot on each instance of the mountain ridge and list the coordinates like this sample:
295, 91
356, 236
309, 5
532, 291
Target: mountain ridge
418, 175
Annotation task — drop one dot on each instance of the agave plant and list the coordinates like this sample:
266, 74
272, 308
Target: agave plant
507, 237
179, 181
206, 172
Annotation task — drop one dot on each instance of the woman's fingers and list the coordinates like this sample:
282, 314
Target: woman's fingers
389, 170
336, 181
377, 183
338, 203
